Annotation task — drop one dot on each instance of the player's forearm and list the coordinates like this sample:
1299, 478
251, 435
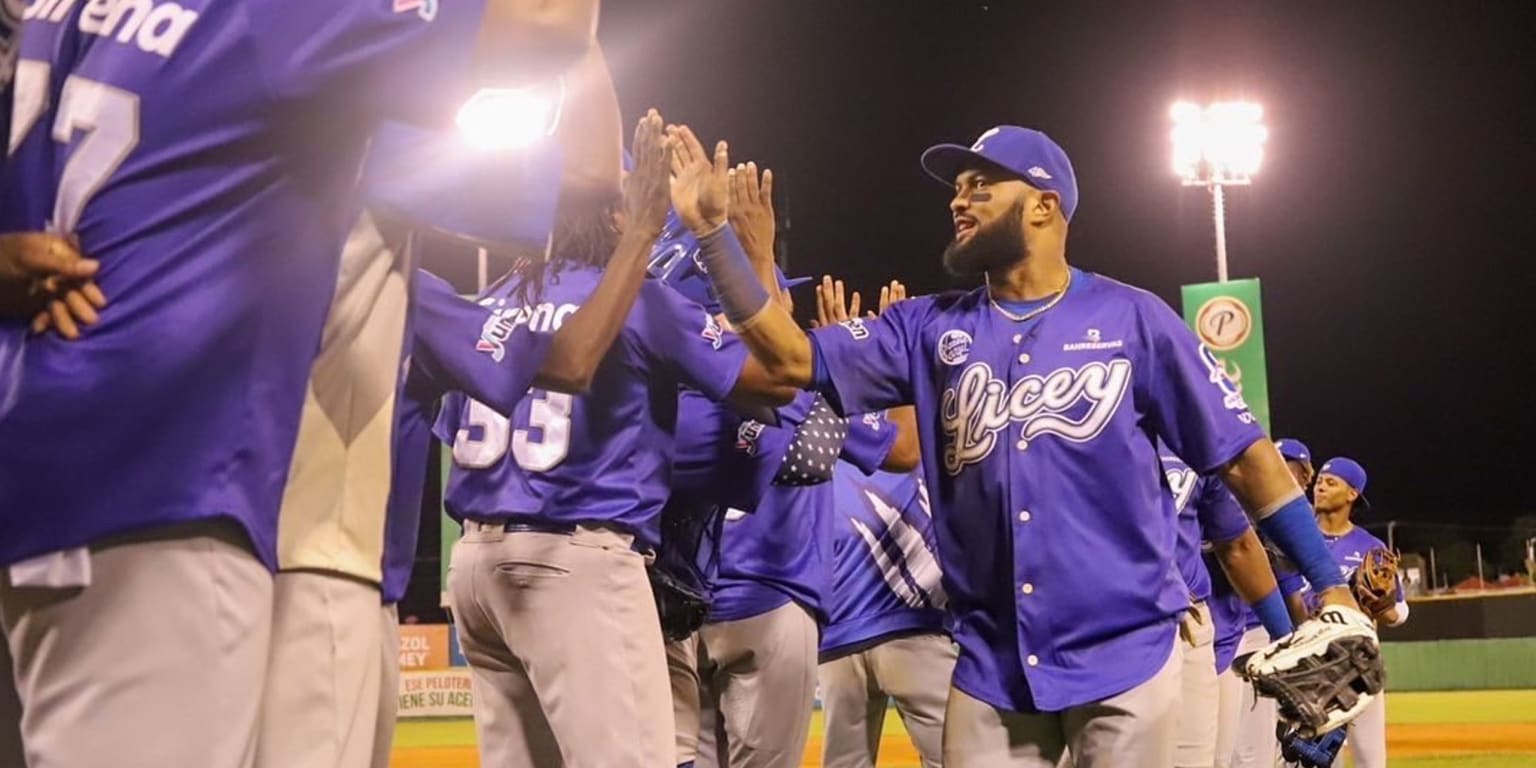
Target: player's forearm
590, 131
527, 41
1260, 481
905, 452
1296, 606
582, 341
777, 343
780, 346
1246, 565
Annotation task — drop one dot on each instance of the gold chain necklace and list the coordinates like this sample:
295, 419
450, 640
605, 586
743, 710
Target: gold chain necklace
1061, 294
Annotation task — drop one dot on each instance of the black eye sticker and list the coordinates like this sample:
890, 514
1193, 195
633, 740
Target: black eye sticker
980, 197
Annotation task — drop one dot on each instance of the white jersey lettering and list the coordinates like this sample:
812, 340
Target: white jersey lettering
978, 406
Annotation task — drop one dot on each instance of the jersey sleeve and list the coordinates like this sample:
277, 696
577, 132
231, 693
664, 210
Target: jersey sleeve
869, 361
446, 426
870, 437
1192, 403
1221, 517
722, 459
408, 58
491, 355
685, 342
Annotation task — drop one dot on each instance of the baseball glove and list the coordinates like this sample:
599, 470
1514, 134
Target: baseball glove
1375, 582
680, 607
1310, 753
1324, 674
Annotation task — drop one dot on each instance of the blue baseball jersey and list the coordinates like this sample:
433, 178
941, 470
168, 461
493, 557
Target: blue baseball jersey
1229, 615
1207, 512
886, 577
723, 460
782, 551
445, 334
602, 457
1348, 551
207, 154
1038, 439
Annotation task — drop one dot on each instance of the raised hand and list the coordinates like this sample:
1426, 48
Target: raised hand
751, 210
647, 188
831, 308
700, 184
890, 294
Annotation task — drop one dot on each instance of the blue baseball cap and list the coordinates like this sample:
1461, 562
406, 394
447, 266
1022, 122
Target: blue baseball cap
1026, 152
675, 261
1349, 471
1292, 449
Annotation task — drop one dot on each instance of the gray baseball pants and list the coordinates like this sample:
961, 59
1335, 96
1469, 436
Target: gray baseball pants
759, 680
1200, 696
913, 671
565, 652
1137, 727
158, 662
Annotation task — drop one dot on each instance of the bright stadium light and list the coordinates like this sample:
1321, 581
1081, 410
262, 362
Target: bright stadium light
1216, 146
510, 118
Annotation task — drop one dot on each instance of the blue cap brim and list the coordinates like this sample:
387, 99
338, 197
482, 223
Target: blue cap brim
945, 161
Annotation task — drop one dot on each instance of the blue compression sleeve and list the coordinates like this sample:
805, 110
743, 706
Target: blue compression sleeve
1293, 528
1273, 614
731, 274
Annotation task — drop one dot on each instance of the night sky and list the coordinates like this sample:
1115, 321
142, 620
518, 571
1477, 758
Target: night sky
1390, 224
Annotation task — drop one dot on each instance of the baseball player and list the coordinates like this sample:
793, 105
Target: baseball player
320, 707
1340, 490
1210, 519
886, 639
560, 508
1034, 396
723, 461
712, 475
494, 355
1252, 732
768, 575
206, 154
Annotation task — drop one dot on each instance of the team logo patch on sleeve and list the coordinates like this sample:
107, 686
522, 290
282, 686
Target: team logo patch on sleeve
712, 332
1231, 391
495, 332
426, 9
748, 435
954, 347
874, 420
856, 328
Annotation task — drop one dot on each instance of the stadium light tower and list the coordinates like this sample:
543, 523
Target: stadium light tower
1216, 146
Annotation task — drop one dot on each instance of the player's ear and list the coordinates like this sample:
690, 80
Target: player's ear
1045, 205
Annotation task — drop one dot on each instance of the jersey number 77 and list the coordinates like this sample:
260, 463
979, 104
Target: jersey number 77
108, 116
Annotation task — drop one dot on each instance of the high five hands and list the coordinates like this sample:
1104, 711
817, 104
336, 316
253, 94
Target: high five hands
832, 308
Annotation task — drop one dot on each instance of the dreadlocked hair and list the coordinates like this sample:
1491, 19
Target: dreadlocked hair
586, 232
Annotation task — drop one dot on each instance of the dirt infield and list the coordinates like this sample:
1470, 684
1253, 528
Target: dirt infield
1429, 740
